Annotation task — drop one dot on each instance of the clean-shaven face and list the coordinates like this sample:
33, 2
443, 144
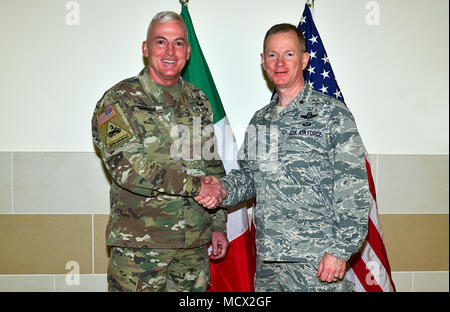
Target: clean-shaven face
284, 60
167, 50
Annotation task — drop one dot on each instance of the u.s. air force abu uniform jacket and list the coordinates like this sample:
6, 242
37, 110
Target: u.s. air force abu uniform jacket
306, 167
140, 129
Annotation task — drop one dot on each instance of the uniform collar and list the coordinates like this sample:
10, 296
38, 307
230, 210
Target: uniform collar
297, 104
151, 88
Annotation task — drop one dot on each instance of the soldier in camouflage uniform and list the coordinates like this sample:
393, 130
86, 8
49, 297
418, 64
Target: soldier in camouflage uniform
145, 128
304, 161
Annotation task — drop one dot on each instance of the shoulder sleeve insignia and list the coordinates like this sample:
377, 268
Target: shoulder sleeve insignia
114, 128
115, 135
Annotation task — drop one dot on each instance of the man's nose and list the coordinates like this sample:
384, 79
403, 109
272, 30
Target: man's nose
280, 61
171, 48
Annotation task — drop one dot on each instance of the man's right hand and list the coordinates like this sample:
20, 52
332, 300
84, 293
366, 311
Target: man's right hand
211, 192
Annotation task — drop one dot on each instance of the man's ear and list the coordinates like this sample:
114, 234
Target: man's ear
188, 52
305, 60
144, 49
263, 64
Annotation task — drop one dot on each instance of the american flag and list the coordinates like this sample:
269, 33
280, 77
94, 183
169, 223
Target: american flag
369, 269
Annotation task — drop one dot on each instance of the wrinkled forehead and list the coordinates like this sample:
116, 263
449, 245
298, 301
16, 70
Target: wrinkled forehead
173, 28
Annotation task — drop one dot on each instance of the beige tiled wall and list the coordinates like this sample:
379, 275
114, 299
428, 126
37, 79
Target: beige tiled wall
101, 251
5, 183
416, 242
43, 244
59, 183
54, 208
52, 283
412, 184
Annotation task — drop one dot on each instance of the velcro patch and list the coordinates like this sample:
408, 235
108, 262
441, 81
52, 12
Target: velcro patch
115, 135
302, 132
106, 115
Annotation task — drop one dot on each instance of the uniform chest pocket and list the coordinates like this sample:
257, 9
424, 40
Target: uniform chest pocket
151, 120
198, 114
297, 148
305, 158
303, 146
295, 145
199, 108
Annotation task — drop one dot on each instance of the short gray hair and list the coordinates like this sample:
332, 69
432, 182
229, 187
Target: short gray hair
164, 16
283, 28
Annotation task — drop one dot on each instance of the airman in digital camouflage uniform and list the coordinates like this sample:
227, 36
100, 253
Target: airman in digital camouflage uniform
304, 161
156, 138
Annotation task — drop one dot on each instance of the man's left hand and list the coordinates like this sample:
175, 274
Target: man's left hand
331, 268
219, 245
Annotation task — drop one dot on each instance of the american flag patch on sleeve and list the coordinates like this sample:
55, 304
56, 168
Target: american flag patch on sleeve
106, 115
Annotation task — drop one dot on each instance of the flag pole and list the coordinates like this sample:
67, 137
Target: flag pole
184, 2
311, 6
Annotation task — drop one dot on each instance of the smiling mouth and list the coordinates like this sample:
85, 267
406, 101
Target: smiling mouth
169, 62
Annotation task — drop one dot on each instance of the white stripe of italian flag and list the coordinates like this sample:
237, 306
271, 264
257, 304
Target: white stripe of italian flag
236, 271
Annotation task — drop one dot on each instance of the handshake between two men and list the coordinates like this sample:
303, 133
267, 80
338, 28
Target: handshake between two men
211, 192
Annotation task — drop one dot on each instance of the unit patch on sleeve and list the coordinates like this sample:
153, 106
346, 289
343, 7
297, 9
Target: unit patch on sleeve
106, 115
115, 135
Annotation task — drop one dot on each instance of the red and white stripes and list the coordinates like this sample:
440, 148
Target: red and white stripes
369, 269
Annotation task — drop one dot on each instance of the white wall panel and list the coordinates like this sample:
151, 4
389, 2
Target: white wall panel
394, 75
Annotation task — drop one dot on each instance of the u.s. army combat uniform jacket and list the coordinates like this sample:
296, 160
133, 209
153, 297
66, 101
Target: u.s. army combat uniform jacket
311, 187
135, 125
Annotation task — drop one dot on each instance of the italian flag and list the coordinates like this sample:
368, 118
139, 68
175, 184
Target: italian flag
236, 271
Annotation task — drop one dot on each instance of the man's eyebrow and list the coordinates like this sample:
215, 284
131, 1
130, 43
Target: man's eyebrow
277, 52
176, 39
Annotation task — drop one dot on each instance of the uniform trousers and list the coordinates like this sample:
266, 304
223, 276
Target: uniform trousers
274, 276
158, 270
